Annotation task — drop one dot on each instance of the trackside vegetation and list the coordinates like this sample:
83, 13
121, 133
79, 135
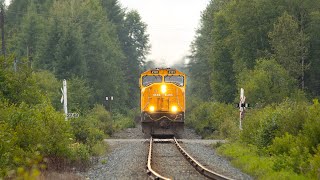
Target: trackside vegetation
271, 49
35, 136
99, 48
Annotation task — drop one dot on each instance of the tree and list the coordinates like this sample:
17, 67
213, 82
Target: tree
79, 95
201, 49
313, 74
223, 81
267, 83
290, 46
135, 45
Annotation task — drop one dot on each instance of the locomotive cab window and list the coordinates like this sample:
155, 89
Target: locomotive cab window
178, 80
148, 80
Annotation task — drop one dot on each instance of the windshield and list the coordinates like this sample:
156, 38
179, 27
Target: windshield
178, 80
148, 80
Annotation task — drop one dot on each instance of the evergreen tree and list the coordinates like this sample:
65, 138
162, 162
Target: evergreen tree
135, 47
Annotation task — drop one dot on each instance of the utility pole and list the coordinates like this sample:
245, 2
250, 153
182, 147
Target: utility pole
2, 31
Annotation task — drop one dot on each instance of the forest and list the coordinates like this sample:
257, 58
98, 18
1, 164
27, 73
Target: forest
99, 47
271, 48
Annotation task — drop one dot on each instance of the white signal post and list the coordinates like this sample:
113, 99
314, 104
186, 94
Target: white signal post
242, 106
64, 98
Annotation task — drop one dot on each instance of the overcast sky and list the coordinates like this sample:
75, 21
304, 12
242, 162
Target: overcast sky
171, 25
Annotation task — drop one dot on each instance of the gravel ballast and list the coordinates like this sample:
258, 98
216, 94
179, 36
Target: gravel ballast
207, 156
127, 159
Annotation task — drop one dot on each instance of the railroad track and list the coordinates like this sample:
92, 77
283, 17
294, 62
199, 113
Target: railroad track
200, 168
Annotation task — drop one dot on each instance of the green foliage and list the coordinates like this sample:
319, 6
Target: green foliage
214, 119
311, 130
28, 130
92, 40
49, 86
312, 81
98, 47
20, 86
234, 34
249, 159
285, 135
79, 95
134, 38
267, 83
122, 122
102, 118
282, 145
31, 129
262, 126
271, 49
315, 163
290, 45
79, 152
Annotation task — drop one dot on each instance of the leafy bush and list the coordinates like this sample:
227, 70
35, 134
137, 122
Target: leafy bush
86, 132
101, 118
315, 164
28, 130
79, 152
122, 122
261, 126
267, 83
49, 86
214, 119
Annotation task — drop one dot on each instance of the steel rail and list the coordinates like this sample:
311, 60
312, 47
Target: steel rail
150, 171
200, 168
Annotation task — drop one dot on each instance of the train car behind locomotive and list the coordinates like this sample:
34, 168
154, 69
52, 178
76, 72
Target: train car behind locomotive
162, 101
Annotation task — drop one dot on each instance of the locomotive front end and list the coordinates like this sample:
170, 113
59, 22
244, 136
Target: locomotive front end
162, 102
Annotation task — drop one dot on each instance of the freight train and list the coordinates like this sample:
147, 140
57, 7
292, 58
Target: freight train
162, 102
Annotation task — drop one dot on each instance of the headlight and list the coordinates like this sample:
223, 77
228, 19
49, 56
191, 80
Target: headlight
151, 108
174, 109
163, 88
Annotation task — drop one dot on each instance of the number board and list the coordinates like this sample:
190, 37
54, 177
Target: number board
154, 72
171, 72
72, 115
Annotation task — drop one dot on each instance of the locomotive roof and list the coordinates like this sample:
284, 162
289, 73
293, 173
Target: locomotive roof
162, 71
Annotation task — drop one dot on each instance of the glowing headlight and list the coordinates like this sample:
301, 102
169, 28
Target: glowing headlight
174, 109
163, 88
151, 108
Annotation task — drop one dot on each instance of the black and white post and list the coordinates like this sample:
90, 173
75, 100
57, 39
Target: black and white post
64, 98
242, 106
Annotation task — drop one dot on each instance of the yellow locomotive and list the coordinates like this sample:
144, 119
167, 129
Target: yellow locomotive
162, 101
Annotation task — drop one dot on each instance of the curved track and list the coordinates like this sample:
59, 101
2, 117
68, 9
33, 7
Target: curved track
200, 168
